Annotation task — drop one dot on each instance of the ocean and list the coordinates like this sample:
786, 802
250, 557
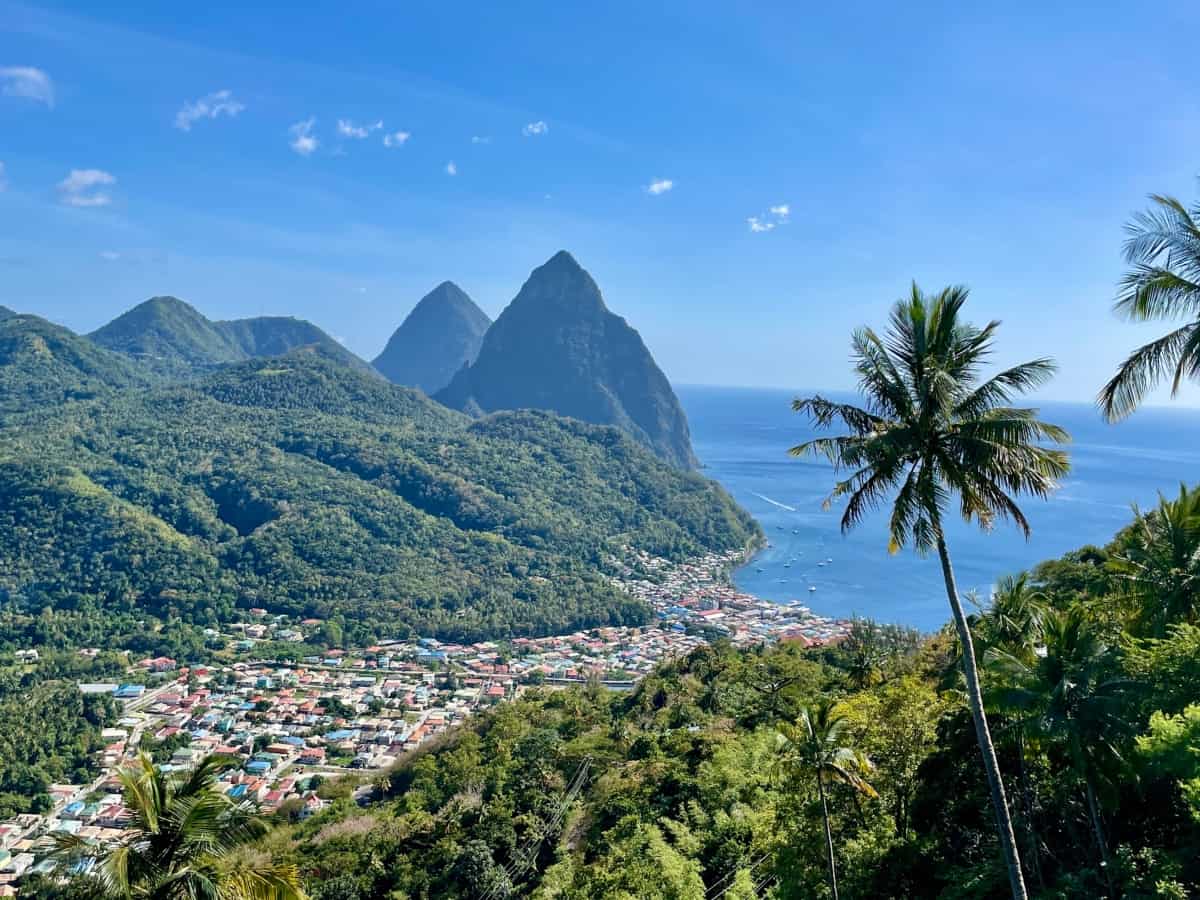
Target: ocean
742, 435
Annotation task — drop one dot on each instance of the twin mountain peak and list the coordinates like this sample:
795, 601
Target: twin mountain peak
555, 347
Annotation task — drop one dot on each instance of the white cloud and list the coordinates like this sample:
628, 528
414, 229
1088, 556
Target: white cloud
659, 186
451, 168
27, 82
3, 178
303, 141
109, 255
776, 215
210, 106
479, 139
347, 129
396, 139
84, 187
535, 128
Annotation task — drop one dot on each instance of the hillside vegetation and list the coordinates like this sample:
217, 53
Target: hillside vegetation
700, 785
304, 487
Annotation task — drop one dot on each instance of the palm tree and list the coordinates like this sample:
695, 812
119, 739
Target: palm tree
1163, 282
1160, 565
1074, 699
1013, 618
931, 430
813, 747
184, 842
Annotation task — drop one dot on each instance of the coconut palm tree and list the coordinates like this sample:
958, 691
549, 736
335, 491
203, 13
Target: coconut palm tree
1073, 698
1160, 564
813, 747
1013, 618
931, 431
184, 842
1163, 283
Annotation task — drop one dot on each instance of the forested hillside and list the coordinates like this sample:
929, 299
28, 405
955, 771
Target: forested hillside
703, 782
304, 487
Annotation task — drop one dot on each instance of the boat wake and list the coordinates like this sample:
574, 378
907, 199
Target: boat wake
774, 502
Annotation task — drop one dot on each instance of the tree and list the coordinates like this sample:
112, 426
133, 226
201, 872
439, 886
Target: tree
813, 746
930, 430
1163, 283
1075, 696
1160, 566
184, 842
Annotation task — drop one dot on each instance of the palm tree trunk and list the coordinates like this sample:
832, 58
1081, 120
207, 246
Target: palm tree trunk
828, 836
1098, 831
1008, 843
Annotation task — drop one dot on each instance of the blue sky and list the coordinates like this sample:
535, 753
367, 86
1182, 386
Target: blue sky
920, 140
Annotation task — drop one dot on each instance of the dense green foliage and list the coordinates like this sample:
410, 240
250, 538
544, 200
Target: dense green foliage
306, 488
689, 789
172, 338
43, 365
49, 731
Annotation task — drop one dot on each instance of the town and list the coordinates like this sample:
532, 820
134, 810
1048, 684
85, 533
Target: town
290, 727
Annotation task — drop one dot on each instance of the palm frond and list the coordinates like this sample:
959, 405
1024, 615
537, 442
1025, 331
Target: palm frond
1142, 371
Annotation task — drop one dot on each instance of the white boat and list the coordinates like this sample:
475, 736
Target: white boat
812, 588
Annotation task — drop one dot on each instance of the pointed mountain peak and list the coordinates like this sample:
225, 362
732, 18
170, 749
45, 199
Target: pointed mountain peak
557, 347
441, 334
561, 285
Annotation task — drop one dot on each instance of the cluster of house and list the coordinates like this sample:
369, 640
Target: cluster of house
284, 725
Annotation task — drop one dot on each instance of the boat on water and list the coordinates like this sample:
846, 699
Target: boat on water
829, 560
812, 588
820, 565
795, 531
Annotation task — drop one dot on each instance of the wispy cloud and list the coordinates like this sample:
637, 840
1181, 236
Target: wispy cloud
776, 215
303, 141
535, 128
27, 82
85, 187
396, 139
659, 186
347, 129
109, 255
451, 168
210, 106
480, 139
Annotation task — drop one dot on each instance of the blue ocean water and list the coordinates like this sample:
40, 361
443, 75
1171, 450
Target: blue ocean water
742, 435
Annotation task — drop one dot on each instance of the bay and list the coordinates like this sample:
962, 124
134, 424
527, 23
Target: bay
742, 435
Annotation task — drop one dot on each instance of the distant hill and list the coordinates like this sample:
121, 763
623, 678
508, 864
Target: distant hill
441, 334
558, 347
169, 335
6, 313
309, 488
275, 335
43, 365
174, 338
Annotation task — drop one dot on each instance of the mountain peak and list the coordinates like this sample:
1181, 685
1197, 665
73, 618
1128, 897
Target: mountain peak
441, 334
557, 347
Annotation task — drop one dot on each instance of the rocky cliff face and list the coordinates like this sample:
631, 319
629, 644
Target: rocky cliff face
558, 347
442, 333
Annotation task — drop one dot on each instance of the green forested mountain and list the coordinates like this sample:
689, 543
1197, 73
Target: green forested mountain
173, 338
441, 334
302, 486
558, 347
703, 781
43, 365
169, 335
